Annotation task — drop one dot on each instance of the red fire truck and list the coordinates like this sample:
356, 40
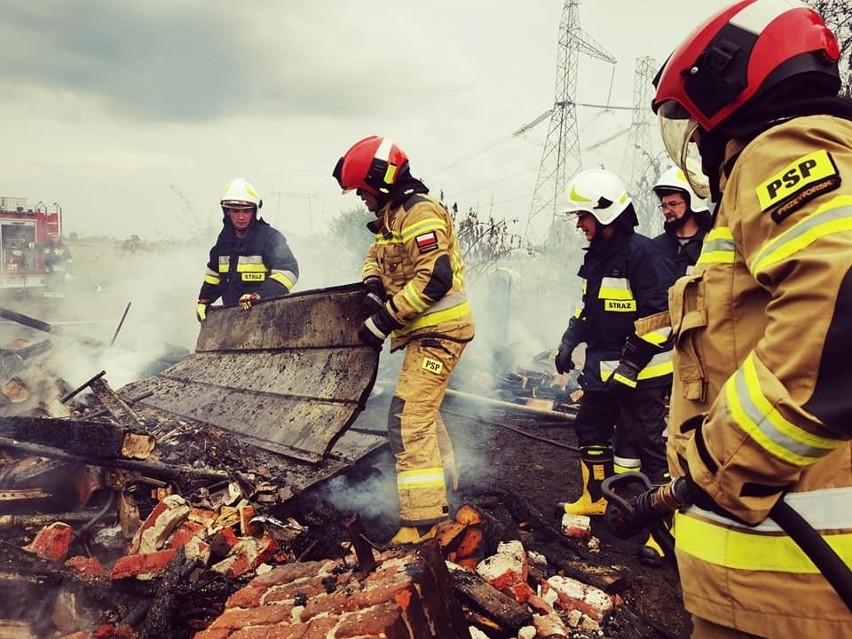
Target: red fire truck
23, 229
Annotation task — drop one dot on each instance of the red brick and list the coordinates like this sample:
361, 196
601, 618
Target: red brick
287, 592
520, 592
86, 565
252, 632
288, 632
319, 628
239, 618
52, 542
158, 527
248, 597
384, 620
247, 555
347, 600
144, 567
576, 595
290, 572
109, 631
215, 633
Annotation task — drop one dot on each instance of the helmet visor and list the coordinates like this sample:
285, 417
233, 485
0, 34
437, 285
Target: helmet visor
678, 137
237, 205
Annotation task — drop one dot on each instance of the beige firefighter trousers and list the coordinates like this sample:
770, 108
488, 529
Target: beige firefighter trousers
418, 438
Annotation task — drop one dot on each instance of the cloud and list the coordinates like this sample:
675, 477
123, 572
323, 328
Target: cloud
190, 62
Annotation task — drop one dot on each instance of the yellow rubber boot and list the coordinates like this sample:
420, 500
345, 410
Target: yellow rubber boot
595, 465
651, 554
409, 535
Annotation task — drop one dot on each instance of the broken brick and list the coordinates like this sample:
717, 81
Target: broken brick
157, 529
52, 542
575, 595
145, 567
509, 566
86, 565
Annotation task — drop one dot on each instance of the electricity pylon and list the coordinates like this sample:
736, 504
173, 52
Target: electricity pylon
642, 161
561, 154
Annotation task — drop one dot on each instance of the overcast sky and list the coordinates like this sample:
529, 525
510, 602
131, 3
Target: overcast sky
133, 115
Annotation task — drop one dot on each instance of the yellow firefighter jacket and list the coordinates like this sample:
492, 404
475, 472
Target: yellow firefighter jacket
763, 348
417, 256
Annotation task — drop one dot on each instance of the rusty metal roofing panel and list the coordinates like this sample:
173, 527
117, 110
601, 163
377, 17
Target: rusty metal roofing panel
289, 375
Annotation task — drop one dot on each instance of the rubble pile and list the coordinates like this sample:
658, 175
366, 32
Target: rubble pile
118, 519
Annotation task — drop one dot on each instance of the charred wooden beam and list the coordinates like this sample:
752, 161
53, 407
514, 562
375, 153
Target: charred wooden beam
363, 550
145, 467
532, 520
38, 325
131, 400
81, 387
485, 598
117, 407
158, 622
39, 521
76, 437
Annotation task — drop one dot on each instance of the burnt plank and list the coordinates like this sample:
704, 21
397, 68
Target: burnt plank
77, 437
485, 598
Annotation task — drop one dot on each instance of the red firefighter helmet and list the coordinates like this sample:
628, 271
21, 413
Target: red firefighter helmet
738, 53
373, 164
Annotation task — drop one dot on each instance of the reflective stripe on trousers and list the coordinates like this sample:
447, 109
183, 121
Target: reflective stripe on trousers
414, 429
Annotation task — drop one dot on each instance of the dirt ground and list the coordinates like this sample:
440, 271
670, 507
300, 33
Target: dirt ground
544, 474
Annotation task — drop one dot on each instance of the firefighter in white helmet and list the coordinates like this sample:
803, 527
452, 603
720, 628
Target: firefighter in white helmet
687, 220
626, 375
761, 408
250, 260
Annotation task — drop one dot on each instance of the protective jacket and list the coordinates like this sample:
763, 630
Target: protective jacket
417, 256
763, 331
624, 278
683, 252
261, 263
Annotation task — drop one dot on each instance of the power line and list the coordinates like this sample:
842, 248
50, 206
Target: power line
468, 157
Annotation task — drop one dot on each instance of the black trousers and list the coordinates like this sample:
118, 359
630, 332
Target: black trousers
631, 421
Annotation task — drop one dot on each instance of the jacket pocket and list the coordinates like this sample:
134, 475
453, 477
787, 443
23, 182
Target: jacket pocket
689, 316
392, 263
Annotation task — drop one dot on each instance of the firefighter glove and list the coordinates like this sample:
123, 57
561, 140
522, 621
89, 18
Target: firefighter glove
625, 376
247, 299
201, 310
570, 339
374, 298
376, 328
563, 360
635, 356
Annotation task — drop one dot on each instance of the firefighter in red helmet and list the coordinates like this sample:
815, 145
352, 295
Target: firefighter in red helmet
414, 276
761, 408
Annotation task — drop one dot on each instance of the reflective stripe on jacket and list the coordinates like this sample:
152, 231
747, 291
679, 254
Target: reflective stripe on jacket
625, 278
763, 333
261, 263
417, 256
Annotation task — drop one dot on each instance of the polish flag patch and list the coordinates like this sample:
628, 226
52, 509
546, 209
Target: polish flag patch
427, 241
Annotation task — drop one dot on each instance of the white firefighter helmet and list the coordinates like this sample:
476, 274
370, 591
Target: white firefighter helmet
674, 179
599, 192
240, 191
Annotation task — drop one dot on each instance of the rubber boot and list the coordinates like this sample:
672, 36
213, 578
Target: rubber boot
651, 554
595, 465
409, 535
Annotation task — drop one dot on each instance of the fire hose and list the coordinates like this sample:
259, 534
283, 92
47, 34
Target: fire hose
626, 515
